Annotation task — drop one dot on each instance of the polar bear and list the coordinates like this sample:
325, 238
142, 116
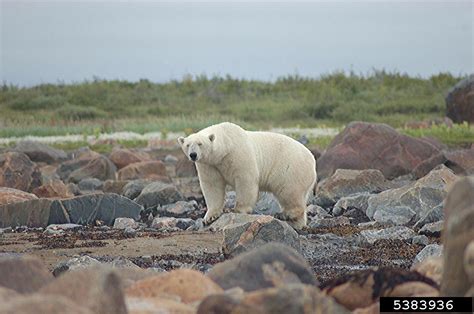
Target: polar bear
226, 154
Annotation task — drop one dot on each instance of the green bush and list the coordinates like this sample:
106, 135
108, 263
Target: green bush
76, 113
40, 102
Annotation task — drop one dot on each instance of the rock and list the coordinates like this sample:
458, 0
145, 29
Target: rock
420, 196
152, 170
356, 216
114, 186
329, 222
374, 146
461, 161
267, 204
7, 295
270, 265
90, 184
243, 237
392, 233
160, 304
53, 189
80, 159
123, 223
427, 165
433, 229
413, 289
430, 267
355, 201
48, 173
420, 240
433, 215
363, 288
317, 211
18, 172
123, 157
133, 188
100, 168
37, 303
185, 168
97, 289
171, 223
469, 266
39, 152
396, 215
87, 209
345, 182
9, 196
189, 285
294, 298
371, 309
460, 101
170, 159
431, 250
159, 193
75, 263
30, 213
23, 274
178, 209
457, 234
123, 263
232, 218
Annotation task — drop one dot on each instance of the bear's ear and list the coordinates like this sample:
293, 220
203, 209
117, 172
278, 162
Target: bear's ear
212, 137
181, 140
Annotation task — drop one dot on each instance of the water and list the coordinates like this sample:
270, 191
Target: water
71, 40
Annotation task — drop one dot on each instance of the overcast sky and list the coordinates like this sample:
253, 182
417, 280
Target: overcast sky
51, 41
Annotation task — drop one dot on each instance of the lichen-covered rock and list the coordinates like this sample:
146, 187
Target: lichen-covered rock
460, 101
9, 196
39, 152
53, 189
123, 157
158, 193
17, 171
152, 170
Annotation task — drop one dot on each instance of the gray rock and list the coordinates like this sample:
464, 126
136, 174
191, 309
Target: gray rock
100, 168
39, 152
171, 223
75, 264
55, 229
230, 219
24, 274
396, 215
420, 240
317, 211
345, 182
392, 233
432, 229
356, 216
90, 184
122, 262
266, 204
159, 193
431, 250
433, 215
178, 209
171, 159
420, 196
87, 209
133, 188
265, 266
329, 222
358, 201
123, 223
243, 237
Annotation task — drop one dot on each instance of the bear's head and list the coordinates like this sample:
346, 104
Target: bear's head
197, 147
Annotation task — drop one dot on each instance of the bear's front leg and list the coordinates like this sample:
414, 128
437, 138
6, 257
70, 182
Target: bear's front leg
213, 188
246, 195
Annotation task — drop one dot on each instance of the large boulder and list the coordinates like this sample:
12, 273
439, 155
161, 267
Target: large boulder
461, 161
460, 101
186, 284
158, 193
97, 289
9, 196
345, 182
123, 157
457, 234
270, 265
79, 158
19, 172
243, 237
420, 196
185, 168
153, 170
374, 146
84, 210
53, 189
100, 168
39, 152
23, 274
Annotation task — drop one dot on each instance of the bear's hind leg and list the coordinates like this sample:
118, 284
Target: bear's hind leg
293, 212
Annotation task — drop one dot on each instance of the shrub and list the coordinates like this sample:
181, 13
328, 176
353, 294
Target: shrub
72, 112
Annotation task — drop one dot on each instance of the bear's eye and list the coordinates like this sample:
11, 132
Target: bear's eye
187, 145
200, 144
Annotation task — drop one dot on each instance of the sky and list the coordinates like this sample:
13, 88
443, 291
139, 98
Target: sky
71, 41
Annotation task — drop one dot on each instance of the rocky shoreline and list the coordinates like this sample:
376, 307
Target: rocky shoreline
124, 231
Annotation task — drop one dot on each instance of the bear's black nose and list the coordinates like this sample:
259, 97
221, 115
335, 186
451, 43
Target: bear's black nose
193, 156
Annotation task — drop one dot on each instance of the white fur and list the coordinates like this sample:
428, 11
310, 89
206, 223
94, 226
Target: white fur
251, 162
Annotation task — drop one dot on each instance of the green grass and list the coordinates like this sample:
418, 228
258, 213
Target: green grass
458, 135
332, 100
